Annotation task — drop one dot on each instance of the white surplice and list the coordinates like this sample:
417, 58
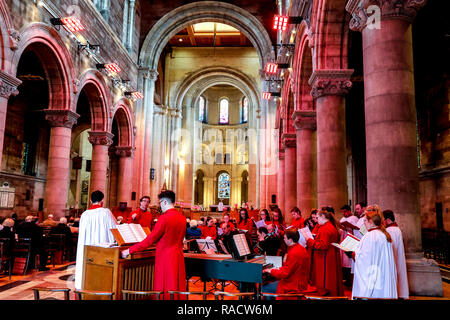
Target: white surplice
95, 225
375, 272
346, 261
400, 261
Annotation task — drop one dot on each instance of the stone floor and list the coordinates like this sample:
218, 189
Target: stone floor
19, 287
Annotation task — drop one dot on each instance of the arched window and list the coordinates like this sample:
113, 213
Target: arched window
223, 111
223, 186
201, 109
244, 110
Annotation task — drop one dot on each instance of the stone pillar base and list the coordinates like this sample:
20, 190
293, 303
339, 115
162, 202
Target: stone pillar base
424, 276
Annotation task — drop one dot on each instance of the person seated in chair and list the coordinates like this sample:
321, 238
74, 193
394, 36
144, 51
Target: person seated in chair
7, 233
193, 232
227, 236
30, 229
268, 242
62, 228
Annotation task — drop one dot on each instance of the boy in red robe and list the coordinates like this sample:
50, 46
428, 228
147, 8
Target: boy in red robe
169, 232
141, 215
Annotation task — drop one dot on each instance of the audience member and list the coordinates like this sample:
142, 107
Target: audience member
49, 222
193, 232
7, 233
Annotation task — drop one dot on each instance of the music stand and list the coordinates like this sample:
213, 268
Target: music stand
204, 244
241, 249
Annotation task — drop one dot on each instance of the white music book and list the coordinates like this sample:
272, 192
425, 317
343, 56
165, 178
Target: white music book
276, 261
241, 244
350, 243
131, 233
260, 223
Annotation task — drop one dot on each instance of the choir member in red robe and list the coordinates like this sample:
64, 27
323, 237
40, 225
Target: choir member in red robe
265, 216
293, 275
245, 223
168, 233
210, 230
278, 222
297, 220
141, 215
326, 270
226, 221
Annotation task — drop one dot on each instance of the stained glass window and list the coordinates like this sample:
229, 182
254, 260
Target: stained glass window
244, 117
223, 111
224, 186
201, 109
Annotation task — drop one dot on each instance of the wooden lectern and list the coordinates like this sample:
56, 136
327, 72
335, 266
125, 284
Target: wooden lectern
105, 270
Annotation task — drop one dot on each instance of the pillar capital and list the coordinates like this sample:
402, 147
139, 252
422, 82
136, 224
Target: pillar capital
366, 12
124, 151
8, 85
334, 82
100, 138
304, 120
148, 73
61, 118
159, 109
289, 140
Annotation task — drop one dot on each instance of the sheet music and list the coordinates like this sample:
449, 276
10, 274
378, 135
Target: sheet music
241, 244
131, 233
277, 261
349, 243
307, 231
260, 223
138, 231
363, 229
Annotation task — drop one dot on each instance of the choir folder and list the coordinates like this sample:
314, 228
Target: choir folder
127, 234
349, 243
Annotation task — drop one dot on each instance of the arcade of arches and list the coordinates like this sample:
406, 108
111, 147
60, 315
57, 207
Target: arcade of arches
362, 113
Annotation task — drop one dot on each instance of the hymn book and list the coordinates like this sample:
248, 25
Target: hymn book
350, 243
130, 233
363, 229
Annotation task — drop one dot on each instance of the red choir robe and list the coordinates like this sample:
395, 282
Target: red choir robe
326, 270
298, 223
247, 226
280, 227
294, 273
144, 218
170, 271
209, 232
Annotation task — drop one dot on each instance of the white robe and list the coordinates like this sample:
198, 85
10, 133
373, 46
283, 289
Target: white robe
400, 261
375, 272
346, 261
94, 229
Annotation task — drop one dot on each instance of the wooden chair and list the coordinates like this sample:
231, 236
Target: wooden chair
189, 293
37, 290
80, 293
23, 249
220, 294
308, 297
299, 296
6, 255
127, 294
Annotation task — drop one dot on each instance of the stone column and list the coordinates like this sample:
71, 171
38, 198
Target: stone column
57, 186
8, 87
305, 123
329, 90
125, 176
280, 182
391, 133
99, 164
290, 174
157, 157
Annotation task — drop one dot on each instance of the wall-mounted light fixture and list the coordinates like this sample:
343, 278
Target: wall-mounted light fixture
73, 24
111, 67
281, 22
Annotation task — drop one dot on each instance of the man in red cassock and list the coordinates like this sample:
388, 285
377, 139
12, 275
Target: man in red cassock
169, 231
141, 215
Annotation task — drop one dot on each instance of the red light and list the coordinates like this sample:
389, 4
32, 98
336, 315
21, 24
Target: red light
137, 95
271, 67
112, 67
280, 23
266, 95
72, 23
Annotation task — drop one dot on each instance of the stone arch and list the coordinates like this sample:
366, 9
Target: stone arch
329, 29
204, 11
56, 61
303, 69
91, 81
125, 121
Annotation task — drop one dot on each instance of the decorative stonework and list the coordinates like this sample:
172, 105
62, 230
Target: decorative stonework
100, 138
304, 120
14, 38
289, 140
330, 82
389, 9
126, 151
149, 74
8, 85
61, 118
159, 110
